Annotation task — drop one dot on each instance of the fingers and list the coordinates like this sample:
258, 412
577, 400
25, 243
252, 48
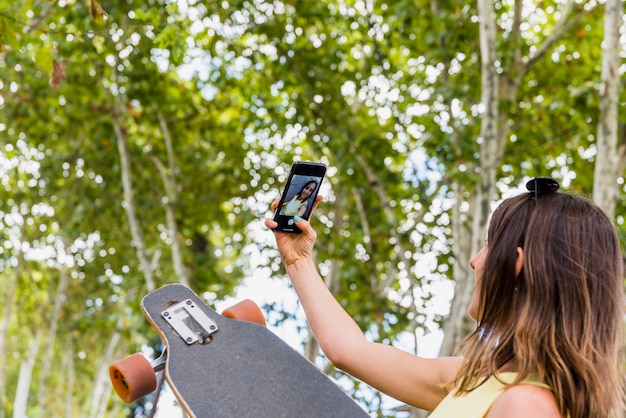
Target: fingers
305, 226
318, 199
270, 223
301, 223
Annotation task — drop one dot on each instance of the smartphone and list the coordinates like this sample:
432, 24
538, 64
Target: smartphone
301, 189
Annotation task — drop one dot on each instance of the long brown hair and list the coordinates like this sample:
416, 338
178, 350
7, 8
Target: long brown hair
559, 319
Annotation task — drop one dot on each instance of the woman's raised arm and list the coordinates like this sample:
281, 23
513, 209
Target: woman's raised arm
418, 381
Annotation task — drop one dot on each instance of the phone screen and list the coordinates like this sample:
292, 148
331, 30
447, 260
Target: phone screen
301, 189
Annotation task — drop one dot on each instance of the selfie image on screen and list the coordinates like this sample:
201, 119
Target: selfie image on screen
300, 196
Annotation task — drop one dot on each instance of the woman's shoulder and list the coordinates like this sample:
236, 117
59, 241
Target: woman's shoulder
524, 400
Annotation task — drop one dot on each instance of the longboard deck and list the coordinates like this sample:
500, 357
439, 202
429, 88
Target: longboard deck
244, 371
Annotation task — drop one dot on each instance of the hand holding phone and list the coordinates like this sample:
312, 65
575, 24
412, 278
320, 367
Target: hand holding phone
298, 196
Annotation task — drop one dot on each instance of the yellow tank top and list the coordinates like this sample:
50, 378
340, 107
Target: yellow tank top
476, 404
292, 208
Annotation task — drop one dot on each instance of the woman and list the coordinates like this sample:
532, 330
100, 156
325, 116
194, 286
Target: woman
300, 201
548, 304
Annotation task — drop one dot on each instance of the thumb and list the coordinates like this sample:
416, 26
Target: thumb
305, 227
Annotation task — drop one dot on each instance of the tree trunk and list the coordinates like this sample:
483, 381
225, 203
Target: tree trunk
169, 184
377, 186
102, 387
48, 359
68, 366
9, 298
20, 403
494, 131
129, 195
605, 188
459, 323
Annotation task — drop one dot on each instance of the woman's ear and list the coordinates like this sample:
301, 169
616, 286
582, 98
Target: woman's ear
519, 263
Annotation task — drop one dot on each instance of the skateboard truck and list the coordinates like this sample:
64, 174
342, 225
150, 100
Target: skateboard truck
136, 376
189, 322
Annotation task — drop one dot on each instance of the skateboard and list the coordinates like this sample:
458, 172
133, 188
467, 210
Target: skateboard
227, 365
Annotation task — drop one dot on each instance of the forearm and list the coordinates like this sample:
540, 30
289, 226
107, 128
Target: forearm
400, 374
409, 378
333, 328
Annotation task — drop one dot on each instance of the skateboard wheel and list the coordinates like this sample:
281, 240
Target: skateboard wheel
133, 377
247, 311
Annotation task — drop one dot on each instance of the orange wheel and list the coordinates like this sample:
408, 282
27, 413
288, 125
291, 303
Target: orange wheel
132, 377
246, 310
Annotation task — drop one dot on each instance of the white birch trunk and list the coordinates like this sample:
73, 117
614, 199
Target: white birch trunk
20, 404
102, 386
68, 366
9, 297
458, 323
494, 132
169, 184
48, 359
172, 194
489, 122
129, 196
605, 187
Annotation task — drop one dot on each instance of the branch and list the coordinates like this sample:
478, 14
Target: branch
129, 195
560, 29
367, 235
170, 216
38, 20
